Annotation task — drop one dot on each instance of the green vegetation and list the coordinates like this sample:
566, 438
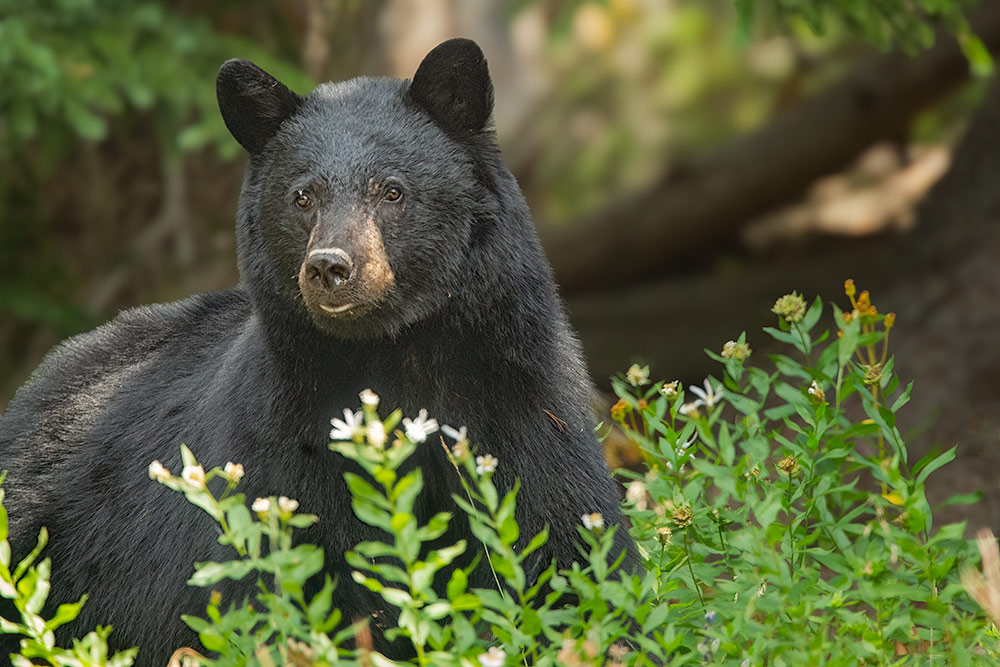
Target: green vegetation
779, 518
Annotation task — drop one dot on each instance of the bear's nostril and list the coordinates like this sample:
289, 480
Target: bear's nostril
327, 269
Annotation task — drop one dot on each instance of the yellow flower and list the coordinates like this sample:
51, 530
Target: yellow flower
791, 306
788, 465
460, 450
682, 515
619, 409
738, 351
873, 374
637, 375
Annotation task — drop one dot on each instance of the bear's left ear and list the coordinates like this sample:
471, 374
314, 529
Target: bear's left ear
453, 85
253, 103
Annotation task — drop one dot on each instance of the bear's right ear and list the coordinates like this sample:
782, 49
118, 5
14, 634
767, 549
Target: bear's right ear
253, 103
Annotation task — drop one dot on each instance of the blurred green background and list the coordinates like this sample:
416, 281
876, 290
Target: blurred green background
687, 162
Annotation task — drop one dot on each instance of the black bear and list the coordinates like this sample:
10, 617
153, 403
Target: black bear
382, 244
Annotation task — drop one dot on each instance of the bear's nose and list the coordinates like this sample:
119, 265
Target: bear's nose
327, 268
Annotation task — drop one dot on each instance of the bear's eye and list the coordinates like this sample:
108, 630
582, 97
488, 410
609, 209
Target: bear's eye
393, 194
302, 199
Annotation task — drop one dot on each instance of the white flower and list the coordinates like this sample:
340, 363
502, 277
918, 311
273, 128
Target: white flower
347, 428
376, 434
670, 389
418, 429
485, 464
593, 521
637, 375
636, 494
690, 409
816, 391
460, 450
495, 657
461, 435
194, 475
261, 505
369, 398
709, 397
233, 471
287, 505
686, 444
158, 472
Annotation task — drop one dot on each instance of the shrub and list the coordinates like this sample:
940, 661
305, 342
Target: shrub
780, 520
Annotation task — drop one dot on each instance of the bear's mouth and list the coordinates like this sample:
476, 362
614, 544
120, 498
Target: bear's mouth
337, 310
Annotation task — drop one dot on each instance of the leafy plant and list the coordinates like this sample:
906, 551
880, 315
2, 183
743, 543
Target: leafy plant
798, 527
910, 25
780, 520
27, 587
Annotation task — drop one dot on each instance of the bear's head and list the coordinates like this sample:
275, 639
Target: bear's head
360, 199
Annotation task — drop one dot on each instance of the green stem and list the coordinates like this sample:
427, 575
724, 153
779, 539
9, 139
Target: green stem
486, 549
805, 345
272, 524
694, 579
791, 541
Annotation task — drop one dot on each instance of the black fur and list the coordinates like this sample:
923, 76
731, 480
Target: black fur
471, 328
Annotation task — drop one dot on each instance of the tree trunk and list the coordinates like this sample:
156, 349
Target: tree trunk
673, 222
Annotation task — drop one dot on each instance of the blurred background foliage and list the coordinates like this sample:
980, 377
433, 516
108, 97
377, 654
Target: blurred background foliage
686, 160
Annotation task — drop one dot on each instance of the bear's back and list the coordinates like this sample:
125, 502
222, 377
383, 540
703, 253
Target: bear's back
65, 404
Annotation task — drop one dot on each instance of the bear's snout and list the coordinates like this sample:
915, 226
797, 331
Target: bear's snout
328, 268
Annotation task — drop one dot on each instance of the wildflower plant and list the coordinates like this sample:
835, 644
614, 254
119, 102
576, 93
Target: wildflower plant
27, 587
778, 517
784, 520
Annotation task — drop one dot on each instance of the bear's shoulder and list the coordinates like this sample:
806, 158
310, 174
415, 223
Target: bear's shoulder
135, 338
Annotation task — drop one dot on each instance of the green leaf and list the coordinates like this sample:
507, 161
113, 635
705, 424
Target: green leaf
656, 618
745, 13
88, 125
361, 489
43, 539
187, 458
435, 528
767, 509
372, 514
209, 573
457, 584
65, 613
979, 57
508, 528
812, 316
